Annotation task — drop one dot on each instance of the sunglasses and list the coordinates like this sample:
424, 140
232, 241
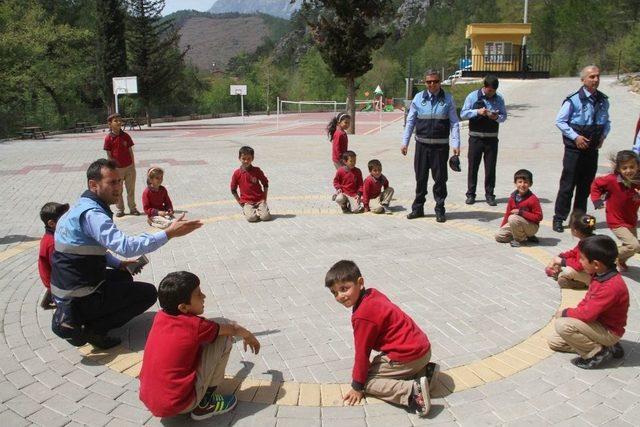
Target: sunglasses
432, 82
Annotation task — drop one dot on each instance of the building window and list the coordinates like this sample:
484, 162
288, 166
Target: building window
498, 52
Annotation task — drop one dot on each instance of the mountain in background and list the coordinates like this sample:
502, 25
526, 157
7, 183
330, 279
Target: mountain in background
279, 8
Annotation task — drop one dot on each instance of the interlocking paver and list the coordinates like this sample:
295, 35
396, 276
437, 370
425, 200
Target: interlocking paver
47, 418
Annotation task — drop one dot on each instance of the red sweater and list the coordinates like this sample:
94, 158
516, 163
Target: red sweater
571, 259
606, 302
529, 207
339, 144
372, 188
622, 201
380, 325
251, 183
349, 181
47, 246
156, 200
118, 145
171, 357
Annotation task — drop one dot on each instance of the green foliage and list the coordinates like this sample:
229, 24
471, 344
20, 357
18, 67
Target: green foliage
110, 47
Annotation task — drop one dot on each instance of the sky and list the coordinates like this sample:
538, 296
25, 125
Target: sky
174, 5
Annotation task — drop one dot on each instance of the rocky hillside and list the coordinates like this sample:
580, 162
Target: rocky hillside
280, 8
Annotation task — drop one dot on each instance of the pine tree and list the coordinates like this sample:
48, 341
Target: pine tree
111, 47
347, 32
154, 56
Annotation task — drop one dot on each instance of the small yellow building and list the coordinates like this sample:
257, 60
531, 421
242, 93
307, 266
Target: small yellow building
497, 47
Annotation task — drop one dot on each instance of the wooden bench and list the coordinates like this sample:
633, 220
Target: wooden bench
84, 127
132, 122
33, 132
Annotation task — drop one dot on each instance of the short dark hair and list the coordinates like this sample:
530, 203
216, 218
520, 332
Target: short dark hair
374, 163
523, 174
348, 154
112, 117
600, 248
246, 150
94, 171
176, 289
491, 81
342, 271
53, 211
585, 224
433, 72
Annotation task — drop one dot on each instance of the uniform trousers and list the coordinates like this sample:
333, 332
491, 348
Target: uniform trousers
434, 158
578, 170
479, 148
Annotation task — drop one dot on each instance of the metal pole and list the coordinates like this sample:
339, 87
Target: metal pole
278, 112
117, 102
242, 106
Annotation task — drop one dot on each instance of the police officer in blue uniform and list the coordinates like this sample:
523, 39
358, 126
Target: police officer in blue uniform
485, 110
91, 298
584, 122
433, 116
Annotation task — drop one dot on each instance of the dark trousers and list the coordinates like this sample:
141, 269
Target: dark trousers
578, 170
432, 157
479, 148
118, 300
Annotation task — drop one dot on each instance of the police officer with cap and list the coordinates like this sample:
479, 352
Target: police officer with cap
433, 116
485, 110
584, 122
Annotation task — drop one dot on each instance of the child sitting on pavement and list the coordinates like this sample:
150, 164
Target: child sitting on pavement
374, 198
401, 372
523, 215
49, 214
348, 184
593, 329
254, 186
186, 355
566, 268
155, 200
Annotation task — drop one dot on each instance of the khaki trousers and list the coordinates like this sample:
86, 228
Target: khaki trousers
349, 202
256, 211
128, 174
393, 381
570, 278
517, 228
575, 336
210, 372
377, 205
630, 244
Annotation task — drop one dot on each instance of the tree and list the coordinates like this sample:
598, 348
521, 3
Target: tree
347, 32
111, 47
155, 58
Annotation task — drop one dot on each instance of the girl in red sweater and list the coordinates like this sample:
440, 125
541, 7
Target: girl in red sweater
621, 190
566, 267
155, 200
336, 131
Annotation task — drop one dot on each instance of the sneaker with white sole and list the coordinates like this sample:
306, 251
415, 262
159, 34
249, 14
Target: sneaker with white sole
421, 398
213, 404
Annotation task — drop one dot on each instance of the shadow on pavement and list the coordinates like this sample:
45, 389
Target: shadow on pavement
15, 238
482, 216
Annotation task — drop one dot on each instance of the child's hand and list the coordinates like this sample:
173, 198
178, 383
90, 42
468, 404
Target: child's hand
557, 261
170, 212
353, 397
162, 213
515, 211
251, 341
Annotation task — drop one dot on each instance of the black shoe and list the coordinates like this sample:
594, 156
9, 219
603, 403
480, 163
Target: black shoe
440, 217
617, 351
533, 239
47, 302
557, 226
120, 214
470, 200
601, 357
414, 214
431, 372
102, 342
491, 201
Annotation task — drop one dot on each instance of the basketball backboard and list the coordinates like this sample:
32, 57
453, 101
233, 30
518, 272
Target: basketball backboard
237, 89
125, 85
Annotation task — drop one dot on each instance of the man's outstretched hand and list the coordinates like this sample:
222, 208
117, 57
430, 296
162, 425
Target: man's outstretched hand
181, 227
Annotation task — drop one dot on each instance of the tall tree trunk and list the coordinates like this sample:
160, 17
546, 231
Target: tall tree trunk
147, 114
351, 103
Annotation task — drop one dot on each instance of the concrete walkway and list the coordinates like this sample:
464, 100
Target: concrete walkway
481, 303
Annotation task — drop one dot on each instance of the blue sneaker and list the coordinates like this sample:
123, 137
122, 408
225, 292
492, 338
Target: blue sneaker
213, 404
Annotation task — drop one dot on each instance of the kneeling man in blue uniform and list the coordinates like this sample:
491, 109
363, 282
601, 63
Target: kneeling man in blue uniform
93, 290
433, 115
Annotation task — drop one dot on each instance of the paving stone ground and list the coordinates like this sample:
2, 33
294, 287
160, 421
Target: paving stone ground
473, 297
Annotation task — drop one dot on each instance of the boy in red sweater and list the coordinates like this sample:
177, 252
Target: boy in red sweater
401, 372
523, 215
253, 187
119, 147
49, 214
156, 201
348, 184
621, 191
374, 198
593, 329
185, 355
